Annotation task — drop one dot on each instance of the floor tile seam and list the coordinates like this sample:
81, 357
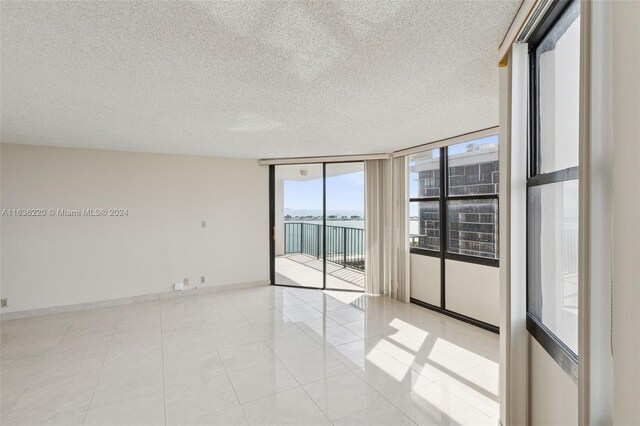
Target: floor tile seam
468, 367
101, 367
456, 396
324, 314
325, 343
127, 399
248, 344
391, 402
437, 367
164, 405
279, 358
255, 328
291, 294
393, 405
415, 354
193, 382
288, 390
365, 383
216, 411
48, 356
259, 364
226, 348
235, 393
459, 394
439, 381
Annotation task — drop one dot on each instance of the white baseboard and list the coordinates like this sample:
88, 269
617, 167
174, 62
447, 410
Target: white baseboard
128, 300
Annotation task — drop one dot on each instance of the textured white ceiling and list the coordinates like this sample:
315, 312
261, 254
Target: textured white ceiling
249, 79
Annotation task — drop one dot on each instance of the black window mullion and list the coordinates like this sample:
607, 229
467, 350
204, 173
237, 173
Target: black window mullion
443, 223
533, 115
417, 199
553, 177
473, 197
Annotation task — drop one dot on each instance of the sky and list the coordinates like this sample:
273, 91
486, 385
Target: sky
345, 195
462, 147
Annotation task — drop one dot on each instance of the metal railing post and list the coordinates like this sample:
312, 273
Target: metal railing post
301, 238
318, 242
344, 247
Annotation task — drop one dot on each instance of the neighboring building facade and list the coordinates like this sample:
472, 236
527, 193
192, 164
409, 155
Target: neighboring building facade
472, 223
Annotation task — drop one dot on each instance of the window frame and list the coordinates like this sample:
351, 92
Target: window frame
444, 198
555, 347
424, 251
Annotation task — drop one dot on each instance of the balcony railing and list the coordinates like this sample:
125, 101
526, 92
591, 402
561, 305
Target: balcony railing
345, 246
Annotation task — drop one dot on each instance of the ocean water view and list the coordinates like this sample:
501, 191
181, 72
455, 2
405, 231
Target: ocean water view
359, 224
413, 223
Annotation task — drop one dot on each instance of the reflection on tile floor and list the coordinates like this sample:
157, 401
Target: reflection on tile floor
267, 355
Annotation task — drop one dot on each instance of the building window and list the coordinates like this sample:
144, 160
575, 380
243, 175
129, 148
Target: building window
552, 186
424, 207
426, 225
472, 198
454, 201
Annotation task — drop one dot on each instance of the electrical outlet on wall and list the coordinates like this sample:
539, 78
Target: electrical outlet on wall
185, 282
202, 279
4, 303
204, 223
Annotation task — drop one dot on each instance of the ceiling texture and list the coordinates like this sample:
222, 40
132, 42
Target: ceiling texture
253, 79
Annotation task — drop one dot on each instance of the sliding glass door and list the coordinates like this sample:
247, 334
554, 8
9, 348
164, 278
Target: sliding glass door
345, 226
299, 216
317, 220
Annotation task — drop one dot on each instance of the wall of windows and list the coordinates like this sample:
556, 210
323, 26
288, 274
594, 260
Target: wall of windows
454, 200
453, 212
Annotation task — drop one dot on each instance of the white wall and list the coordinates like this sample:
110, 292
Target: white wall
54, 261
425, 278
553, 395
473, 290
626, 211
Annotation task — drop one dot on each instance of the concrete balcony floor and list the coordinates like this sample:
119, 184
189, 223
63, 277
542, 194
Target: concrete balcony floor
302, 270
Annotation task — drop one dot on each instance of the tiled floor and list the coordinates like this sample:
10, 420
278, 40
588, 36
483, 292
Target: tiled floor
267, 355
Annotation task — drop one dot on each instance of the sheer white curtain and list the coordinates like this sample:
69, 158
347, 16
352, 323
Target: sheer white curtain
377, 232
400, 273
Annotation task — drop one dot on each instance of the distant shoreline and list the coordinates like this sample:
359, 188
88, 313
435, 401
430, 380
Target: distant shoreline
318, 218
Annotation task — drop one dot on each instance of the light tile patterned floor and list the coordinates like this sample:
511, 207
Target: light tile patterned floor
266, 355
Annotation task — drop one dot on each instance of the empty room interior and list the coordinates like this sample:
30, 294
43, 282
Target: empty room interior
369, 212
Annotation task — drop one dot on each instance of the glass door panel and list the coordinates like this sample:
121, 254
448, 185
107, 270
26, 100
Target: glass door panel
345, 226
298, 233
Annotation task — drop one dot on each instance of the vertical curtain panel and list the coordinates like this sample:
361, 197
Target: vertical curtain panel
400, 273
386, 228
376, 230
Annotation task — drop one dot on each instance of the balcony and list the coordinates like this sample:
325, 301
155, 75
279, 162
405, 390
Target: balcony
302, 261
